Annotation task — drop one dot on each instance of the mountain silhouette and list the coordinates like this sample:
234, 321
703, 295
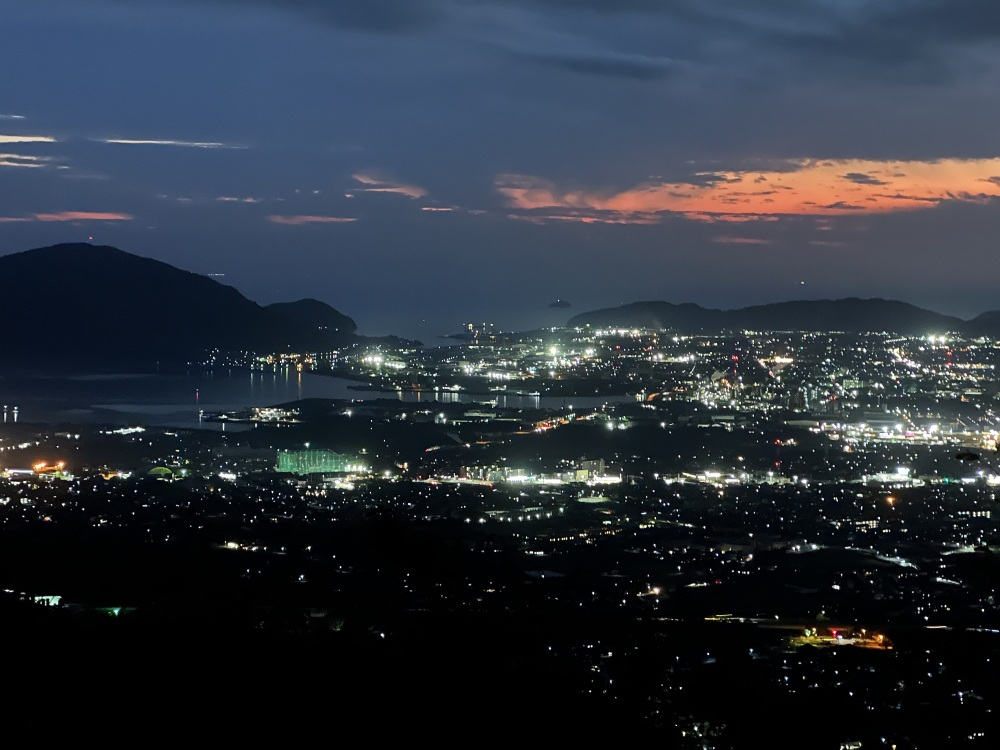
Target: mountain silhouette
850, 314
81, 303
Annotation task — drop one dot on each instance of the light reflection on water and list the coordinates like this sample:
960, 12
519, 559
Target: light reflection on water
176, 399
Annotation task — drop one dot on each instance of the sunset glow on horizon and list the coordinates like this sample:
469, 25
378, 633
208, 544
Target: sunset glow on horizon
808, 187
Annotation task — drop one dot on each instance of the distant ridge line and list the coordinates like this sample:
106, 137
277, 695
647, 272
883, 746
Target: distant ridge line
850, 314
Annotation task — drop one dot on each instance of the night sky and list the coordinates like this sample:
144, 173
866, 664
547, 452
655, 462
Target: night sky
421, 163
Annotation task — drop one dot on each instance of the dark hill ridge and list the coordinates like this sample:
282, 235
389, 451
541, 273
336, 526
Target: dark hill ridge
84, 303
312, 313
851, 314
987, 324
316, 322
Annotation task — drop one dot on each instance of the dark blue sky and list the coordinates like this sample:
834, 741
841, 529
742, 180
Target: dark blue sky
444, 160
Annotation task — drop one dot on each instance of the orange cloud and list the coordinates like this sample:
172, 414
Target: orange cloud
805, 187
307, 219
83, 216
68, 216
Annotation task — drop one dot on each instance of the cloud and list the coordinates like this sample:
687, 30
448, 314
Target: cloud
182, 144
27, 139
910, 40
302, 219
630, 66
385, 16
23, 161
893, 33
234, 199
600, 6
965, 20
810, 188
407, 16
68, 216
68, 173
713, 217
842, 206
713, 178
888, 39
859, 178
583, 217
911, 198
83, 216
730, 240
375, 185
11, 117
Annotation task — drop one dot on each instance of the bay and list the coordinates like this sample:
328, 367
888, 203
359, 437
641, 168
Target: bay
180, 399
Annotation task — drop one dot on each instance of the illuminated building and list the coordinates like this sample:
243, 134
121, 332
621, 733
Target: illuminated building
316, 462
